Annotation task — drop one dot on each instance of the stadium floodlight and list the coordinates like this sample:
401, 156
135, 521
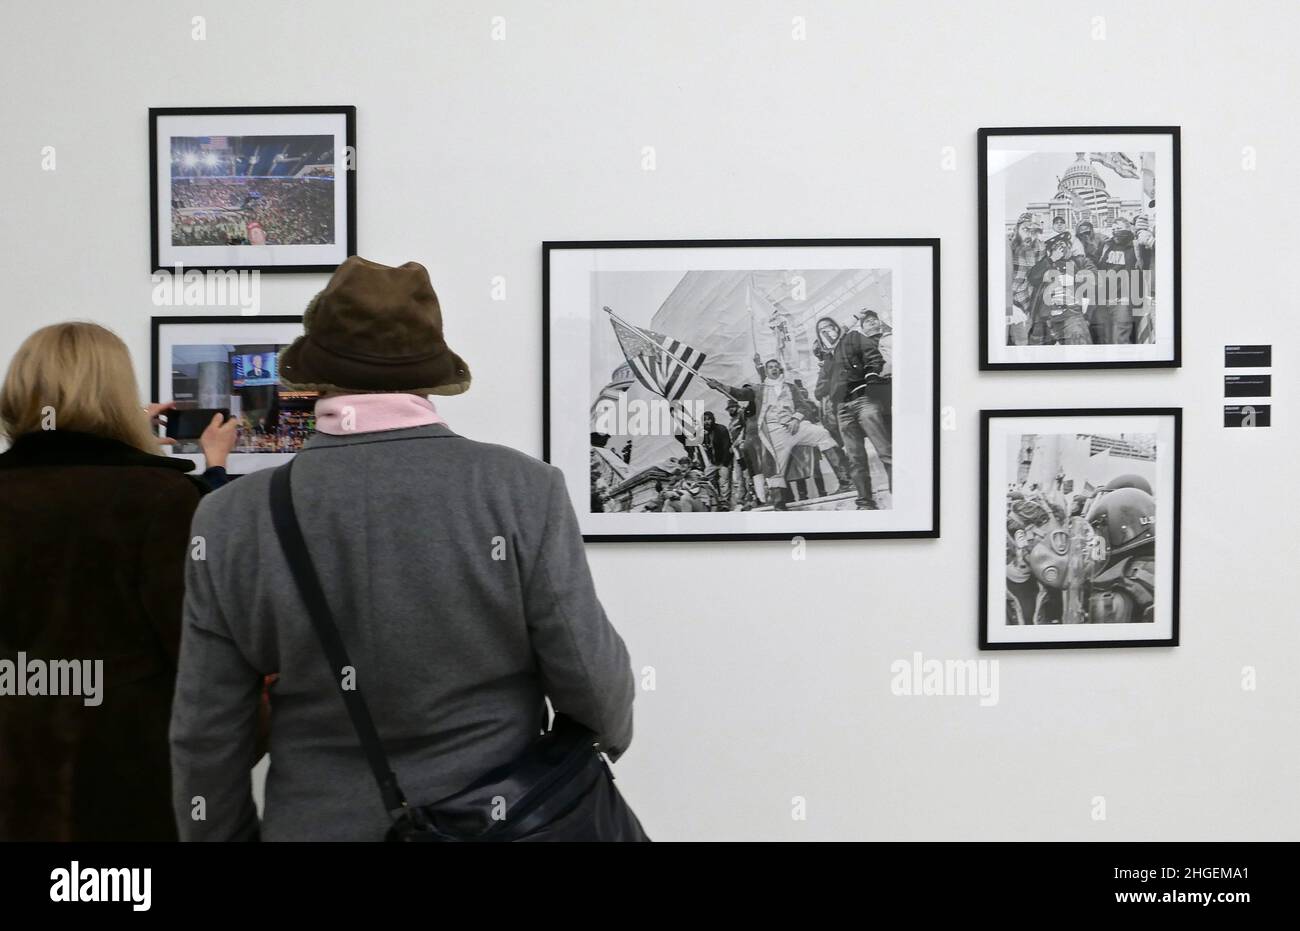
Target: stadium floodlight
190, 159
210, 159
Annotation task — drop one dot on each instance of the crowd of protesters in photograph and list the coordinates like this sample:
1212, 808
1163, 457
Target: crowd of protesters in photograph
1080, 555
1047, 300
777, 433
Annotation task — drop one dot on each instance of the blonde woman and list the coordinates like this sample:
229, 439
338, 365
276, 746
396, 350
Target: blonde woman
94, 534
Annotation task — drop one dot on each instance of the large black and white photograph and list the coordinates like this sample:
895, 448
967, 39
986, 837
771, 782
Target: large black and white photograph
205, 365
264, 188
726, 395
1079, 248
1086, 506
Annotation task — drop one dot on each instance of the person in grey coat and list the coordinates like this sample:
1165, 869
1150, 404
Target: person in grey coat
455, 570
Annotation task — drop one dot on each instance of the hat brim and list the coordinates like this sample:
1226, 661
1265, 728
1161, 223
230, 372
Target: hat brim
308, 366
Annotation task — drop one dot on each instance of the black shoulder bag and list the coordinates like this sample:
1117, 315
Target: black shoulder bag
560, 789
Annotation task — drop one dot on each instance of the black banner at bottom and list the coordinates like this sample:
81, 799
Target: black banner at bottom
255, 882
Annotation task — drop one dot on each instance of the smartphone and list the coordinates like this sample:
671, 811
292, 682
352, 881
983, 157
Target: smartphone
190, 423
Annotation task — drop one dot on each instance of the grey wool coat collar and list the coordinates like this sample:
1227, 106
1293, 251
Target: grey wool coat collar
328, 440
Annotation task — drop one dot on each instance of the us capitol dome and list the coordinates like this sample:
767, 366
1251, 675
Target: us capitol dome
1081, 180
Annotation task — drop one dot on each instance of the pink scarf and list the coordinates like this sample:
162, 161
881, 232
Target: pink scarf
370, 413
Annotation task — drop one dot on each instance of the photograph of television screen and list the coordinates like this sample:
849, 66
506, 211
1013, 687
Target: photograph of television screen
244, 379
250, 369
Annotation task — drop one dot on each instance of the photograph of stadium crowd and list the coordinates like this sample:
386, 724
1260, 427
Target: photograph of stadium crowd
252, 190
1078, 236
1083, 536
260, 188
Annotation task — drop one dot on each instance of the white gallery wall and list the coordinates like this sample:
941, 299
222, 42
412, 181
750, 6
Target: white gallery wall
772, 675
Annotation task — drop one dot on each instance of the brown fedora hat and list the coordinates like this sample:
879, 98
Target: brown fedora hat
374, 328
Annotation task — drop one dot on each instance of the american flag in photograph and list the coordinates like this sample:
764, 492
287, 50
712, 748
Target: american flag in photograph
661, 363
1117, 162
1146, 328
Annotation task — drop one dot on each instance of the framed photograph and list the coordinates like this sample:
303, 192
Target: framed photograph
1079, 511
265, 188
1079, 247
232, 364
744, 389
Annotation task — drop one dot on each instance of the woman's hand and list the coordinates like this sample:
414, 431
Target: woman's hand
218, 440
154, 413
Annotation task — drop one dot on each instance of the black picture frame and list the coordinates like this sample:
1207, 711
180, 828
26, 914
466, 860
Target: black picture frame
984, 135
933, 244
986, 417
349, 113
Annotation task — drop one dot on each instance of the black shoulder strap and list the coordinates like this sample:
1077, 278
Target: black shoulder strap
318, 610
